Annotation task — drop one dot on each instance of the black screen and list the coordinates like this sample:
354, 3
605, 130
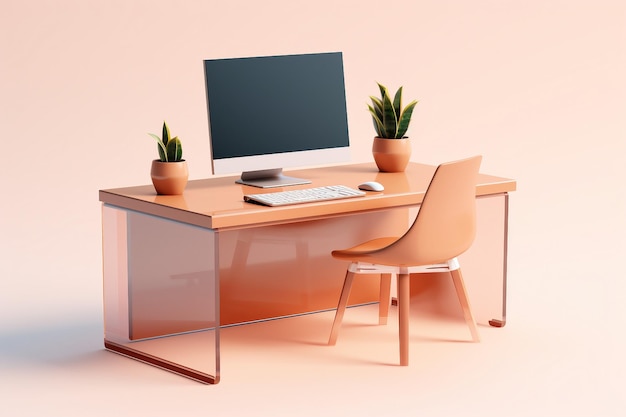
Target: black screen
276, 104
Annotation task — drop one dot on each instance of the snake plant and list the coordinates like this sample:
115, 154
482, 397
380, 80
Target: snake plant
170, 150
391, 120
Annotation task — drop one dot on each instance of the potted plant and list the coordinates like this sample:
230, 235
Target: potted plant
169, 173
391, 148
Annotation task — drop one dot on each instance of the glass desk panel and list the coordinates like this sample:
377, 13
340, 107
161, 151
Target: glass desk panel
161, 289
287, 269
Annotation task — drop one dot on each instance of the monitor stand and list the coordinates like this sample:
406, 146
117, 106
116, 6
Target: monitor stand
269, 178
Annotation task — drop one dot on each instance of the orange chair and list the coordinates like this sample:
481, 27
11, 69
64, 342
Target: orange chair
444, 228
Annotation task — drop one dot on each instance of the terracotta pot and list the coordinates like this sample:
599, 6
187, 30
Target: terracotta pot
391, 155
169, 178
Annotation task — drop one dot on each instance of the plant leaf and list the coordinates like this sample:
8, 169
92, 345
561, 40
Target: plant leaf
378, 107
378, 124
166, 134
161, 148
378, 103
174, 150
383, 90
158, 139
405, 119
397, 102
390, 120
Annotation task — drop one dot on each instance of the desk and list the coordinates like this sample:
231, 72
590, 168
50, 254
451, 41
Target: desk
177, 268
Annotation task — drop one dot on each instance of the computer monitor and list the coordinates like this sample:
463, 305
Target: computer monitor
273, 112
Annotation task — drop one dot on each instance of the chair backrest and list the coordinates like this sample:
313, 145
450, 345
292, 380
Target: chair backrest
445, 225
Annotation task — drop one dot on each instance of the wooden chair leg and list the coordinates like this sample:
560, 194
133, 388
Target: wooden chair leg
461, 292
385, 298
341, 308
404, 296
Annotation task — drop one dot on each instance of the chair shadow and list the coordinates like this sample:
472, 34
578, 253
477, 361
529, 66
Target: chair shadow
314, 330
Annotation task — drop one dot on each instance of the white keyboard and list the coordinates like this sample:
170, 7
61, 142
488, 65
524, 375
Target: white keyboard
304, 195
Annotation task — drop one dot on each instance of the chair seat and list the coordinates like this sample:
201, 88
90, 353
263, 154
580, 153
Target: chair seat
364, 249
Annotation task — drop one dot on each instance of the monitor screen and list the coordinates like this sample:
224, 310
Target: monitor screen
273, 112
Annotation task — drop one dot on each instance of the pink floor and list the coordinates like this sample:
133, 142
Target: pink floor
536, 365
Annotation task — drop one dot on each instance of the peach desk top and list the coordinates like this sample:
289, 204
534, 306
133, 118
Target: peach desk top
217, 203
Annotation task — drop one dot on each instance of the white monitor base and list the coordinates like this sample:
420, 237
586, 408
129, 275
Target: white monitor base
269, 178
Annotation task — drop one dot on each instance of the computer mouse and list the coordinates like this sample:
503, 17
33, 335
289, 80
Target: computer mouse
371, 186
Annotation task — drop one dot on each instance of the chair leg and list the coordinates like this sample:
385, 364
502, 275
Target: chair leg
385, 298
341, 308
404, 296
461, 292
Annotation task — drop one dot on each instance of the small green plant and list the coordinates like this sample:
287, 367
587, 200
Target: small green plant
170, 150
391, 121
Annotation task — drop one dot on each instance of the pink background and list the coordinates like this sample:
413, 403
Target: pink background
537, 87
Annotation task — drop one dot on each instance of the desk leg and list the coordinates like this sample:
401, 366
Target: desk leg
161, 293
485, 263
